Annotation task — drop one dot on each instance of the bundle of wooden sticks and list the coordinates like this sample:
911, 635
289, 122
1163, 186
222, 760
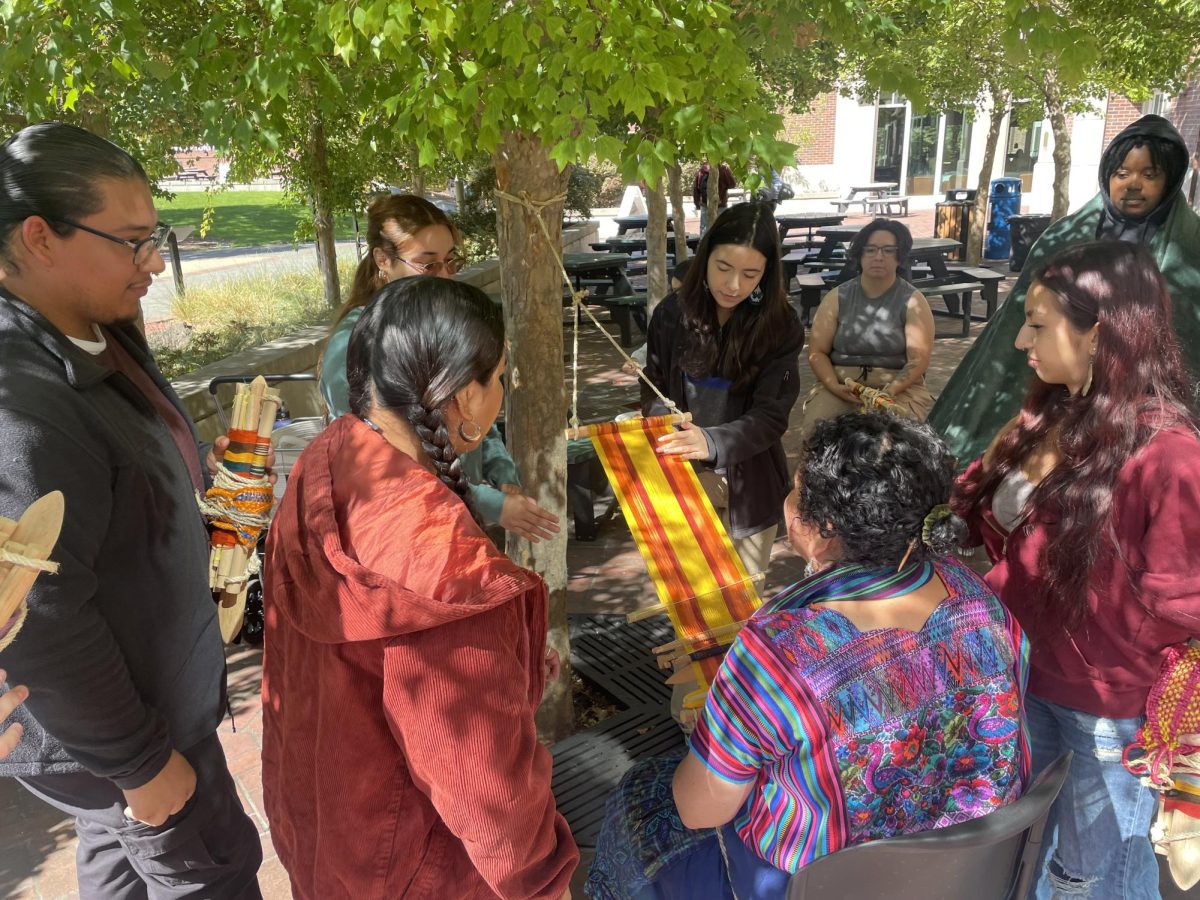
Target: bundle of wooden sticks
239, 502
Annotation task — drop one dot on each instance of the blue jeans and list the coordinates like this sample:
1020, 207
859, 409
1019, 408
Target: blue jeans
1098, 834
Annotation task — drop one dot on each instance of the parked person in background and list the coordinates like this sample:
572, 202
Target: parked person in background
876, 329
121, 649
787, 764
1088, 503
725, 183
724, 348
406, 236
1140, 201
405, 655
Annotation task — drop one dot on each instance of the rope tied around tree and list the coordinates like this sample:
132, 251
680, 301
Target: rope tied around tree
536, 207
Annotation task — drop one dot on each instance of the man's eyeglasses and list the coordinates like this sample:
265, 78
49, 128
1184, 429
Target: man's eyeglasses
141, 249
871, 250
451, 266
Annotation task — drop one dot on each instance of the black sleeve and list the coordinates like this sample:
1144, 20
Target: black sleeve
80, 689
773, 395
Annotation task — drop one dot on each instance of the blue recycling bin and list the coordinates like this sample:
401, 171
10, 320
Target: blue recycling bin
1005, 199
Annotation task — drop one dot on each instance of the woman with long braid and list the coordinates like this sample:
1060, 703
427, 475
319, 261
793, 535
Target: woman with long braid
405, 655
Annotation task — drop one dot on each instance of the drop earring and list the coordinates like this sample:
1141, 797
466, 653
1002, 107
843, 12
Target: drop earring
756, 295
1087, 385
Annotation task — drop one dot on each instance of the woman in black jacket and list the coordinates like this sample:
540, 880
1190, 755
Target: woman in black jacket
724, 347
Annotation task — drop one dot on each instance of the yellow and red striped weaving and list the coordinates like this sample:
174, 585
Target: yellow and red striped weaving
698, 575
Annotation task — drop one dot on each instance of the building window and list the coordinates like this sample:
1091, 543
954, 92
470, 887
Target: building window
922, 154
956, 151
1156, 105
890, 119
1024, 144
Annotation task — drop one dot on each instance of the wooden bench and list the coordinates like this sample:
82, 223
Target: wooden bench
890, 206
624, 311
957, 297
990, 280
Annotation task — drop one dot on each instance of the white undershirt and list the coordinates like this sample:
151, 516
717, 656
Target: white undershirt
96, 347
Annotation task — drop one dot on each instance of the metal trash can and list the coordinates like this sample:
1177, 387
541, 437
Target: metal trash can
1005, 200
952, 219
967, 194
1025, 232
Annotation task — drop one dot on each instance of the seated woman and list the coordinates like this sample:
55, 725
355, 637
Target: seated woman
876, 329
791, 760
406, 236
405, 654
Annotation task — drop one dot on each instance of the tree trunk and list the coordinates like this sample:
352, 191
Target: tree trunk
714, 193
531, 285
460, 194
1062, 149
418, 181
678, 211
322, 196
656, 244
979, 214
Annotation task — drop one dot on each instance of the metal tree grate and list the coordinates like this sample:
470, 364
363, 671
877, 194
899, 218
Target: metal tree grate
615, 655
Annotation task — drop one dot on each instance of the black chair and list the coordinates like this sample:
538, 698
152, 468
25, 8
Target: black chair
989, 858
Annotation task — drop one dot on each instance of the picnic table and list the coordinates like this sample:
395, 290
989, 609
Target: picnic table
638, 244
869, 191
626, 223
605, 277
809, 221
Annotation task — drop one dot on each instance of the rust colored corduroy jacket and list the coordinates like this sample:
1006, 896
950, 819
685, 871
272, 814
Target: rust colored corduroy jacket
403, 664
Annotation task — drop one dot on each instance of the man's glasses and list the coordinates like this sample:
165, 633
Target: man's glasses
450, 266
871, 250
141, 249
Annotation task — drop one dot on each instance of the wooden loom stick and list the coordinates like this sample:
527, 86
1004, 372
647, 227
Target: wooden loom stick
572, 434
36, 533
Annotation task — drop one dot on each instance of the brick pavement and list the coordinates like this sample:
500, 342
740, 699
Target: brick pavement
37, 845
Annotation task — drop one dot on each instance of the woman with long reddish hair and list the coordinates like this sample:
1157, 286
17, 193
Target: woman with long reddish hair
1088, 503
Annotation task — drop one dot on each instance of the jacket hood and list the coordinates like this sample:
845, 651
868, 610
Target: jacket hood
367, 545
1115, 224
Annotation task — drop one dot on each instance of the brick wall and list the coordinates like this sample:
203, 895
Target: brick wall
1184, 113
813, 131
1119, 114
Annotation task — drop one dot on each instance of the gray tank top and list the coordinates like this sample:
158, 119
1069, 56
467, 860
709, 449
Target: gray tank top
1010, 498
870, 330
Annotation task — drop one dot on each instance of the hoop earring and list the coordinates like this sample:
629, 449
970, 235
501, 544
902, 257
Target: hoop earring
469, 438
756, 295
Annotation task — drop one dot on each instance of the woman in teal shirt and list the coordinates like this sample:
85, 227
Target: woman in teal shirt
407, 235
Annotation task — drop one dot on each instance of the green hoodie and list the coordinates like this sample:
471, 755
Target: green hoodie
989, 385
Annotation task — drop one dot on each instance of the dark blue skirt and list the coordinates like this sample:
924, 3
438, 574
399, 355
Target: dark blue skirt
644, 852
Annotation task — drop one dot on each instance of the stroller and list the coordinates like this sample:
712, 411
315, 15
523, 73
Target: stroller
289, 438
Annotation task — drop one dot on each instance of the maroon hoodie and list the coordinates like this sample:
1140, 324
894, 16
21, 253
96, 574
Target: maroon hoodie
403, 664
1140, 601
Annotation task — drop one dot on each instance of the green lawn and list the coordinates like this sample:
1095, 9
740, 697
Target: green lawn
242, 218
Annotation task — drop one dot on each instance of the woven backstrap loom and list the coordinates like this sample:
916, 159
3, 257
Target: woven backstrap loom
701, 582
1166, 755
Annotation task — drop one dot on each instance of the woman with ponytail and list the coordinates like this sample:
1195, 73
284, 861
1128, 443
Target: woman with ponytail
408, 236
1088, 503
834, 719
405, 654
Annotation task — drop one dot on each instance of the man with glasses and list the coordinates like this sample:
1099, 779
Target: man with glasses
120, 650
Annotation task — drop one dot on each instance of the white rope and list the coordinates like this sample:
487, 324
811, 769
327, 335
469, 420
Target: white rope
226, 480
11, 635
577, 304
27, 562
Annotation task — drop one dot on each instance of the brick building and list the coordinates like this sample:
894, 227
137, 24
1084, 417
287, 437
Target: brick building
844, 142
